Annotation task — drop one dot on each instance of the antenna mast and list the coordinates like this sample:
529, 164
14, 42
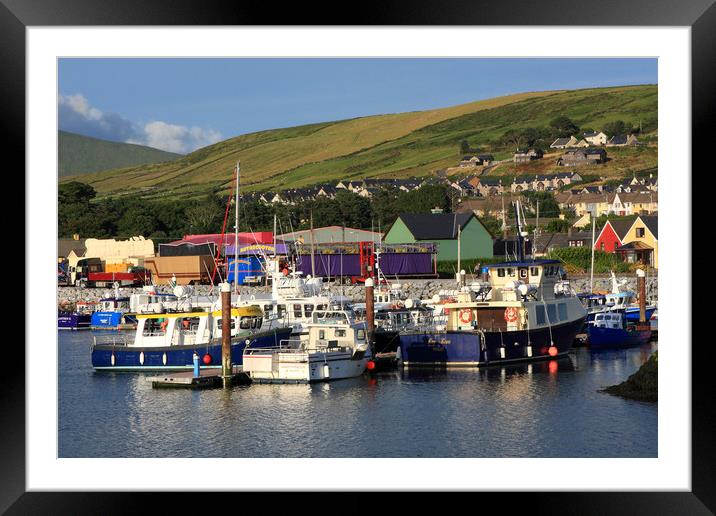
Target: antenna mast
236, 231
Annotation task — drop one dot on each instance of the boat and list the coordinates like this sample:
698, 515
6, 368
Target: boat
530, 315
612, 330
113, 312
168, 341
335, 347
78, 319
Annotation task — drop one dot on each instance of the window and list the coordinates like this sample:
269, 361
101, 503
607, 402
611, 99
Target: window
297, 311
220, 322
552, 313
340, 333
321, 334
308, 310
245, 323
189, 324
562, 311
280, 310
640, 232
360, 334
602, 245
501, 273
510, 272
534, 271
539, 312
154, 327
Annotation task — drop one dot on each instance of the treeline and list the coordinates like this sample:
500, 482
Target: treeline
82, 213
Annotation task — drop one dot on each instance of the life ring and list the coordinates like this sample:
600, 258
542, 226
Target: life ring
164, 324
465, 315
511, 314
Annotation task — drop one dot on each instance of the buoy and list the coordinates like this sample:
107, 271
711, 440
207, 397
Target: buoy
370, 365
552, 351
553, 366
207, 359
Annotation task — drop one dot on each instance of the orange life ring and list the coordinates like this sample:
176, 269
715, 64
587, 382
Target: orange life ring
511, 314
465, 315
164, 324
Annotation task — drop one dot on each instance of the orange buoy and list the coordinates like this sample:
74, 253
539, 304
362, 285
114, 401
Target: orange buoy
552, 351
207, 359
370, 365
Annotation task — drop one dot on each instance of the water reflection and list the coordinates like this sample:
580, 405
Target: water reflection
515, 410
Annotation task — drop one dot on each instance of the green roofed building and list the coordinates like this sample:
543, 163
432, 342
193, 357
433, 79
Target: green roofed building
442, 228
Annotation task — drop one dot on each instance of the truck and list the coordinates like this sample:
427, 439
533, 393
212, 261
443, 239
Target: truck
184, 270
90, 272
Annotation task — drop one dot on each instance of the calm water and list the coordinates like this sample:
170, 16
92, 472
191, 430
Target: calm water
540, 410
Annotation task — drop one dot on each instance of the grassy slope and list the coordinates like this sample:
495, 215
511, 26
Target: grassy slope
397, 145
79, 154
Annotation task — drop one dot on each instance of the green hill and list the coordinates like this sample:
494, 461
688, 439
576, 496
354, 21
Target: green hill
79, 154
393, 145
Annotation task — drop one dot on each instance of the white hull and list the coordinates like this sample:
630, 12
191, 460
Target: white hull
302, 367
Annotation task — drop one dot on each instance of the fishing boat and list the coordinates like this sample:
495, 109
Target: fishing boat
112, 313
78, 319
335, 347
168, 341
612, 330
530, 315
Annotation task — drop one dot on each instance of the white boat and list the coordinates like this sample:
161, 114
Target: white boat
335, 347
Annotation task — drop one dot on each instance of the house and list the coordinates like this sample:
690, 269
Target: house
634, 203
545, 242
561, 143
595, 138
582, 143
65, 246
641, 242
621, 140
612, 234
582, 157
488, 186
527, 156
583, 221
442, 228
469, 161
484, 207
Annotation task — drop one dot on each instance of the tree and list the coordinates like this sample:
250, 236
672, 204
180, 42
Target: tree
465, 147
616, 127
558, 226
75, 192
563, 126
513, 137
205, 216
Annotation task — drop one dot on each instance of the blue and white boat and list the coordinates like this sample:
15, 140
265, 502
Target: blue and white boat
612, 330
113, 313
168, 341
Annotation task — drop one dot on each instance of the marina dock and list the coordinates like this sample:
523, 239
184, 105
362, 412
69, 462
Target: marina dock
208, 378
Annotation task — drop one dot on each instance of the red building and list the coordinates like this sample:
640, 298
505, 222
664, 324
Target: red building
612, 234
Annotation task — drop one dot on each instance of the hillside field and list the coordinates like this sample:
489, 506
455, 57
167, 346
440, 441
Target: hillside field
393, 145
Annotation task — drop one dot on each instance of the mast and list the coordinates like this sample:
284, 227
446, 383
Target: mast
458, 248
520, 242
313, 262
236, 230
591, 272
534, 240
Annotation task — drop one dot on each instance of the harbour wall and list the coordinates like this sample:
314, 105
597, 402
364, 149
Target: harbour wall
415, 289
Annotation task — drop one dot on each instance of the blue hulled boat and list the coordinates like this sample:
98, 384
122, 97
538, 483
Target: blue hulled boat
612, 330
168, 341
77, 319
113, 312
531, 314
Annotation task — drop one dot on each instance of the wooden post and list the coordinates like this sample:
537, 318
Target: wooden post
226, 334
641, 287
369, 309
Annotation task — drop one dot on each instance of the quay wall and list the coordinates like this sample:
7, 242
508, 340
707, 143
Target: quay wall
415, 288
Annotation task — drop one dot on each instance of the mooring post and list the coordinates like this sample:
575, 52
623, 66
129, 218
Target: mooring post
641, 287
369, 309
197, 371
226, 334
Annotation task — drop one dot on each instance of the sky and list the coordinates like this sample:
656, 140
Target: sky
180, 105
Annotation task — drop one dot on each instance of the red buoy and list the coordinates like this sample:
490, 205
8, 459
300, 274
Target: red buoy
370, 365
553, 366
552, 351
207, 359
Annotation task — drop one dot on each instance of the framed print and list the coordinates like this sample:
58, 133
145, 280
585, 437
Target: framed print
519, 152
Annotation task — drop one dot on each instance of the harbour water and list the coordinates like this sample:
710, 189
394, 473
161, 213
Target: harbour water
543, 409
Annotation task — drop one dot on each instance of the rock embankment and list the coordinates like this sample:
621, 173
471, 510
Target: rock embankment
414, 288
642, 385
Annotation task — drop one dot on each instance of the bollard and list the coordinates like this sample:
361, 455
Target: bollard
641, 287
370, 309
226, 334
195, 358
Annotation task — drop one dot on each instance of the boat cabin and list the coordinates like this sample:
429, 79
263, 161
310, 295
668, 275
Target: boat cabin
609, 320
113, 304
189, 328
523, 297
335, 330
620, 299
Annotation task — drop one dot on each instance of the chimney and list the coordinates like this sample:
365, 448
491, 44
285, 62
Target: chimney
75, 236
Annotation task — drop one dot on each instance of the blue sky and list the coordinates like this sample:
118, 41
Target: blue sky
183, 104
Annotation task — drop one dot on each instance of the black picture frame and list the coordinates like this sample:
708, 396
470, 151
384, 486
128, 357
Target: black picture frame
700, 15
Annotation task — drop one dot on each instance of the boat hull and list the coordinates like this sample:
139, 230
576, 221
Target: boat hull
70, 321
610, 338
112, 320
164, 358
468, 348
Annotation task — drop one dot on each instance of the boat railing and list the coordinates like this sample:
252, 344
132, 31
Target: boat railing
113, 340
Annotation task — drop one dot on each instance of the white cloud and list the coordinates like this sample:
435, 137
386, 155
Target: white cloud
78, 116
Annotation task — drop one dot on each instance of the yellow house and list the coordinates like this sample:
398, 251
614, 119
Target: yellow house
641, 242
